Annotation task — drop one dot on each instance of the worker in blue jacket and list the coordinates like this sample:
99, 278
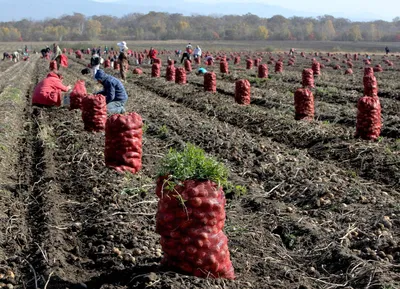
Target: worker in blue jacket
113, 90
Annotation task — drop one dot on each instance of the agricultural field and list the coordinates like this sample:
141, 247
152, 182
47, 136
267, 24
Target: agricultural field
321, 208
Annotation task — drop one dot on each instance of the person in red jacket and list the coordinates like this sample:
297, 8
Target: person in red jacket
152, 55
48, 91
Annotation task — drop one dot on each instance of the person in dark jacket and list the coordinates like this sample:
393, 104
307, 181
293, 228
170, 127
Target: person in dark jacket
387, 50
113, 90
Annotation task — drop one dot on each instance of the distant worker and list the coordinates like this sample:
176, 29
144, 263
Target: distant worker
6, 55
123, 64
152, 54
197, 52
57, 54
178, 53
187, 53
291, 51
201, 71
15, 56
387, 50
122, 46
45, 51
95, 62
114, 92
48, 91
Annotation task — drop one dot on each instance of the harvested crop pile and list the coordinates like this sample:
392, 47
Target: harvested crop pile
53, 65
78, 54
262, 71
308, 78
94, 112
171, 62
170, 73
355, 57
304, 104
349, 64
180, 75
237, 60
316, 68
191, 215
107, 63
242, 91
77, 95
348, 71
257, 62
210, 82
378, 68
64, 60
279, 67
336, 67
249, 64
210, 61
117, 66
223, 67
123, 142
188, 65
370, 83
155, 70
197, 60
137, 71
157, 61
368, 118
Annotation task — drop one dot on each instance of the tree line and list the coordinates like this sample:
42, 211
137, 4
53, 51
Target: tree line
166, 26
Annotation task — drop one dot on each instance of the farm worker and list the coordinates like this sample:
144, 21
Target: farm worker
123, 64
15, 56
178, 53
186, 54
197, 52
106, 49
387, 50
48, 91
85, 71
26, 49
95, 63
57, 54
152, 54
122, 46
6, 55
114, 91
201, 71
291, 51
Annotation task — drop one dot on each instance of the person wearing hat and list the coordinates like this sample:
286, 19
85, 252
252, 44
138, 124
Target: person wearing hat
122, 46
114, 92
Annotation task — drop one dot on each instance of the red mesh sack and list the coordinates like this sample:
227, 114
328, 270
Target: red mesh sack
279, 67
336, 67
349, 64
210, 61
308, 78
242, 91
223, 67
370, 83
64, 60
191, 233
290, 62
249, 64
180, 75
302, 54
257, 62
237, 60
123, 145
348, 71
262, 71
210, 82
378, 68
77, 95
137, 71
94, 112
316, 68
368, 118
171, 62
157, 61
304, 104
170, 73
78, 54
107, 63
188, 65
197, 60
155, 70
140, 59
53, 65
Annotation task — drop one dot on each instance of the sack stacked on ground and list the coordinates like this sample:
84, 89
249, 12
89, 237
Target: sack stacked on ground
370, 83
348, 71
249, 64
369, 122
223, 67
170, 73
308, 78
155, 70
316, 67
94, 112
137, 71
77, 95
53, 65
279, 67
378, 68
180, 75
262, 71
107, 63
210, 82
257, 62
242, 91
191, 231
123, 142
304, 104
237, 60
188, 65
64, 60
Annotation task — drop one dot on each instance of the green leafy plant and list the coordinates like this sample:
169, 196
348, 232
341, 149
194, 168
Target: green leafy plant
193, 164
